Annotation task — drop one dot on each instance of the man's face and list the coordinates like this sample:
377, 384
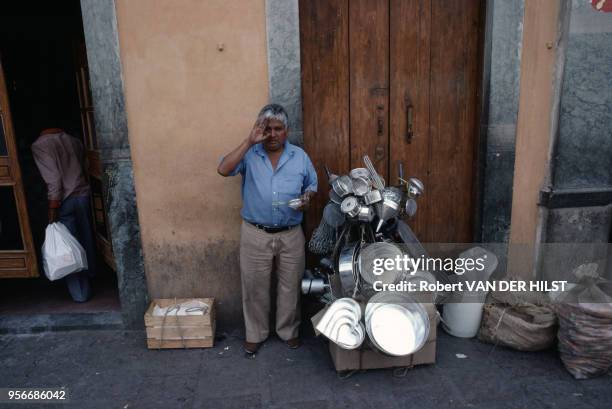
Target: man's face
276, 135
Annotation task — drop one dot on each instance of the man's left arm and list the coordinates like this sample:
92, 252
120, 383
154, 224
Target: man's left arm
310, 183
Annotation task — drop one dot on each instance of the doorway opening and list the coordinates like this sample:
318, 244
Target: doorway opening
44, 65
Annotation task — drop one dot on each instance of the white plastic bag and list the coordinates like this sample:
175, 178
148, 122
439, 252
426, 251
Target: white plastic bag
79, 251
62, 253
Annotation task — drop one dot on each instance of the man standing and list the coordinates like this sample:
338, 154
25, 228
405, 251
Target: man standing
273, 172
60, 160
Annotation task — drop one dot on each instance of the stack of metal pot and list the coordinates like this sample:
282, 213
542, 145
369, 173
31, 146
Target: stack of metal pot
360, 224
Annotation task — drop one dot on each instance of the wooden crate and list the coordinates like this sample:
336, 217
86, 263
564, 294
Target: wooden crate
188, 331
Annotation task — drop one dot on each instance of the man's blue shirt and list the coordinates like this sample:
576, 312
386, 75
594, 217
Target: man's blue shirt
265, 191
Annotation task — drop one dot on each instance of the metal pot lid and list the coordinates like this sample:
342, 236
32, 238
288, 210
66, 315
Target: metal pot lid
380, 250
411, 207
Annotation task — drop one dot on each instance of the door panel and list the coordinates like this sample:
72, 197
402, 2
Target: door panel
17, 256
409, 102
369, 83
325, 89
453, 91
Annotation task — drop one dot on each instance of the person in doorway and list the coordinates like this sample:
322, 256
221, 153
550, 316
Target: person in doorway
273, 172
60, 158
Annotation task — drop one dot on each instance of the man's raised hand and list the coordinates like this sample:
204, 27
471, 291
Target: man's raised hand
257, 134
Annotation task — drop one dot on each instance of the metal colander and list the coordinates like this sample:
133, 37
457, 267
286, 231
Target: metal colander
323, 239
332, 215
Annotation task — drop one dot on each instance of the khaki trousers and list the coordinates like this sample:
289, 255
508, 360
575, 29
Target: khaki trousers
258, 251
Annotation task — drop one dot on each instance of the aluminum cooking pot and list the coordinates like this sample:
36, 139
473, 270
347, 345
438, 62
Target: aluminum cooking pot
361, 186
350, 206
372, 197
366, 214
360, 173
343, 185
346, 263
333, 196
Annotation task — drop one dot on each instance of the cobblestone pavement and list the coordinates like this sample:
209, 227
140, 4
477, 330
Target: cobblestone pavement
114, 369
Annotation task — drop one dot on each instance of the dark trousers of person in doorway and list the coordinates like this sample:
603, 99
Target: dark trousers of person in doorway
75, 214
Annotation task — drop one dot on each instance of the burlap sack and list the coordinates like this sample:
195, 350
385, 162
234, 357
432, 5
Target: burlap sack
524, 321
585, 325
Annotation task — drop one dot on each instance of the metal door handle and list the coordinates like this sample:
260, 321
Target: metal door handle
409, 123
381, 122
379, 152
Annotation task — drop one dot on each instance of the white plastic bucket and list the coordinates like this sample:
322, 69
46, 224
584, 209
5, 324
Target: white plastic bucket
462, 319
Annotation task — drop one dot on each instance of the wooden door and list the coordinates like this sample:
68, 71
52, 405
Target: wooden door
17, 255
94, 164
411, 69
